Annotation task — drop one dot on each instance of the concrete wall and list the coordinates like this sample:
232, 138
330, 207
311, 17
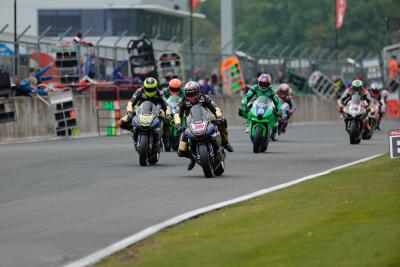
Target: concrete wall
35, 119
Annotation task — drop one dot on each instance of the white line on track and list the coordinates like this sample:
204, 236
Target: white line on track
101, 254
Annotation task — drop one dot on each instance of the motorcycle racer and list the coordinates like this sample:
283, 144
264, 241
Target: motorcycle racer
357, 87
284, 92
192, 97
376, 92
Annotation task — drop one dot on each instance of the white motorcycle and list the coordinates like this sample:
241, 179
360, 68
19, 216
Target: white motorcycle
354, 115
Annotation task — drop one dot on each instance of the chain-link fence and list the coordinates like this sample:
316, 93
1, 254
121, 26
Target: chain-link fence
282, 61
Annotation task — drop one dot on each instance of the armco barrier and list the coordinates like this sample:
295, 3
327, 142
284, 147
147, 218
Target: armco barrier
35, 120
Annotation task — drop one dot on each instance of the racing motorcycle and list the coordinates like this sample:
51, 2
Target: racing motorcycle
261, 119
354, 115
205, 142
371, 121
174, 135
284, 119
146, 133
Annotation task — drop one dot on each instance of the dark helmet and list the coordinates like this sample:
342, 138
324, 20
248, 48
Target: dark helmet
150, 86
264, 82
174, 86
192, 92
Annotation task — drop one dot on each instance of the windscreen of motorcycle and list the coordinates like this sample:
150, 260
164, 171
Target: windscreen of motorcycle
198, 119
262, 104
146, 113
354, 107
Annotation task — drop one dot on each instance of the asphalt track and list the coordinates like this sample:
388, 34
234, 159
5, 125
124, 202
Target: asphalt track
63, 200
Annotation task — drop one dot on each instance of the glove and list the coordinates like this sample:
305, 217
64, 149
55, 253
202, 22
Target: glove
179, 128
130, 114
341, 107
240, 112
168, 118
218, 121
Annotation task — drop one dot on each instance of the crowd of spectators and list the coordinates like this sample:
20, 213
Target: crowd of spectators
30, 86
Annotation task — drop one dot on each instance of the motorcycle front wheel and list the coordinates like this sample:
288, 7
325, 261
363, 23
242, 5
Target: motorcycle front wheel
205, 161
259, 144
143, 150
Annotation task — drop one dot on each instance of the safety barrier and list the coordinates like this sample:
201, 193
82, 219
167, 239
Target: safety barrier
39, 122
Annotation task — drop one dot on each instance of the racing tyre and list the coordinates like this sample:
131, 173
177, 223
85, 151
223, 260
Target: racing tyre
220, 170
205, 161
258, 140
143, 149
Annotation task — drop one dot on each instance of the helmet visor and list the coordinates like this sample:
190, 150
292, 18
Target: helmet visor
263, 85
150, 90
191, 93
174, 89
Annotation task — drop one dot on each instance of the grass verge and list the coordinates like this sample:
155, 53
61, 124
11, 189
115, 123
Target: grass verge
350, 217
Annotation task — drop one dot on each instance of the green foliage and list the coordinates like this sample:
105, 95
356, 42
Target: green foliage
309, 23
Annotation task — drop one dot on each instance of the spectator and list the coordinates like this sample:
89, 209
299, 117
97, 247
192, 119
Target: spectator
89, 69
214, 82
393, 68
18, 89
4, 82
117, 75
30, 86
339, 86
196, 73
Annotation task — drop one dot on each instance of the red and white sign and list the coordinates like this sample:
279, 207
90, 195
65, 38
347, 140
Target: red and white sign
340, 10
394, 140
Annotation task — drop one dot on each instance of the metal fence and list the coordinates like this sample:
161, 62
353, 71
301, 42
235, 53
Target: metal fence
279, 60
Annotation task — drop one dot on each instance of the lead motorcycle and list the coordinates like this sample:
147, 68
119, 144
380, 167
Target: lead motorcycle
146, 133
205, 142
354, 115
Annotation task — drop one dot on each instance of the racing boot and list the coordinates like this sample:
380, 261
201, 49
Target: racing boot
223, 129
227, 146
274, 134
191, 164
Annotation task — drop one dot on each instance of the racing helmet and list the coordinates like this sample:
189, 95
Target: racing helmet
264, 82
375, 89
174, 86
150, 86
192, 92
357, 86
283, 90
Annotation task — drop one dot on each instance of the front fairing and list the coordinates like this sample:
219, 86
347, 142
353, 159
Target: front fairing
262, 110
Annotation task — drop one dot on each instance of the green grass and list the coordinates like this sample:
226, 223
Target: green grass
348, 218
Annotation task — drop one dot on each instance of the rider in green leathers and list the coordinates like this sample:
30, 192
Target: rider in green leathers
262, 88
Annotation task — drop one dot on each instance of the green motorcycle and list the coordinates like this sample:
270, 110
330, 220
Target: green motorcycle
261, 120
174, 136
